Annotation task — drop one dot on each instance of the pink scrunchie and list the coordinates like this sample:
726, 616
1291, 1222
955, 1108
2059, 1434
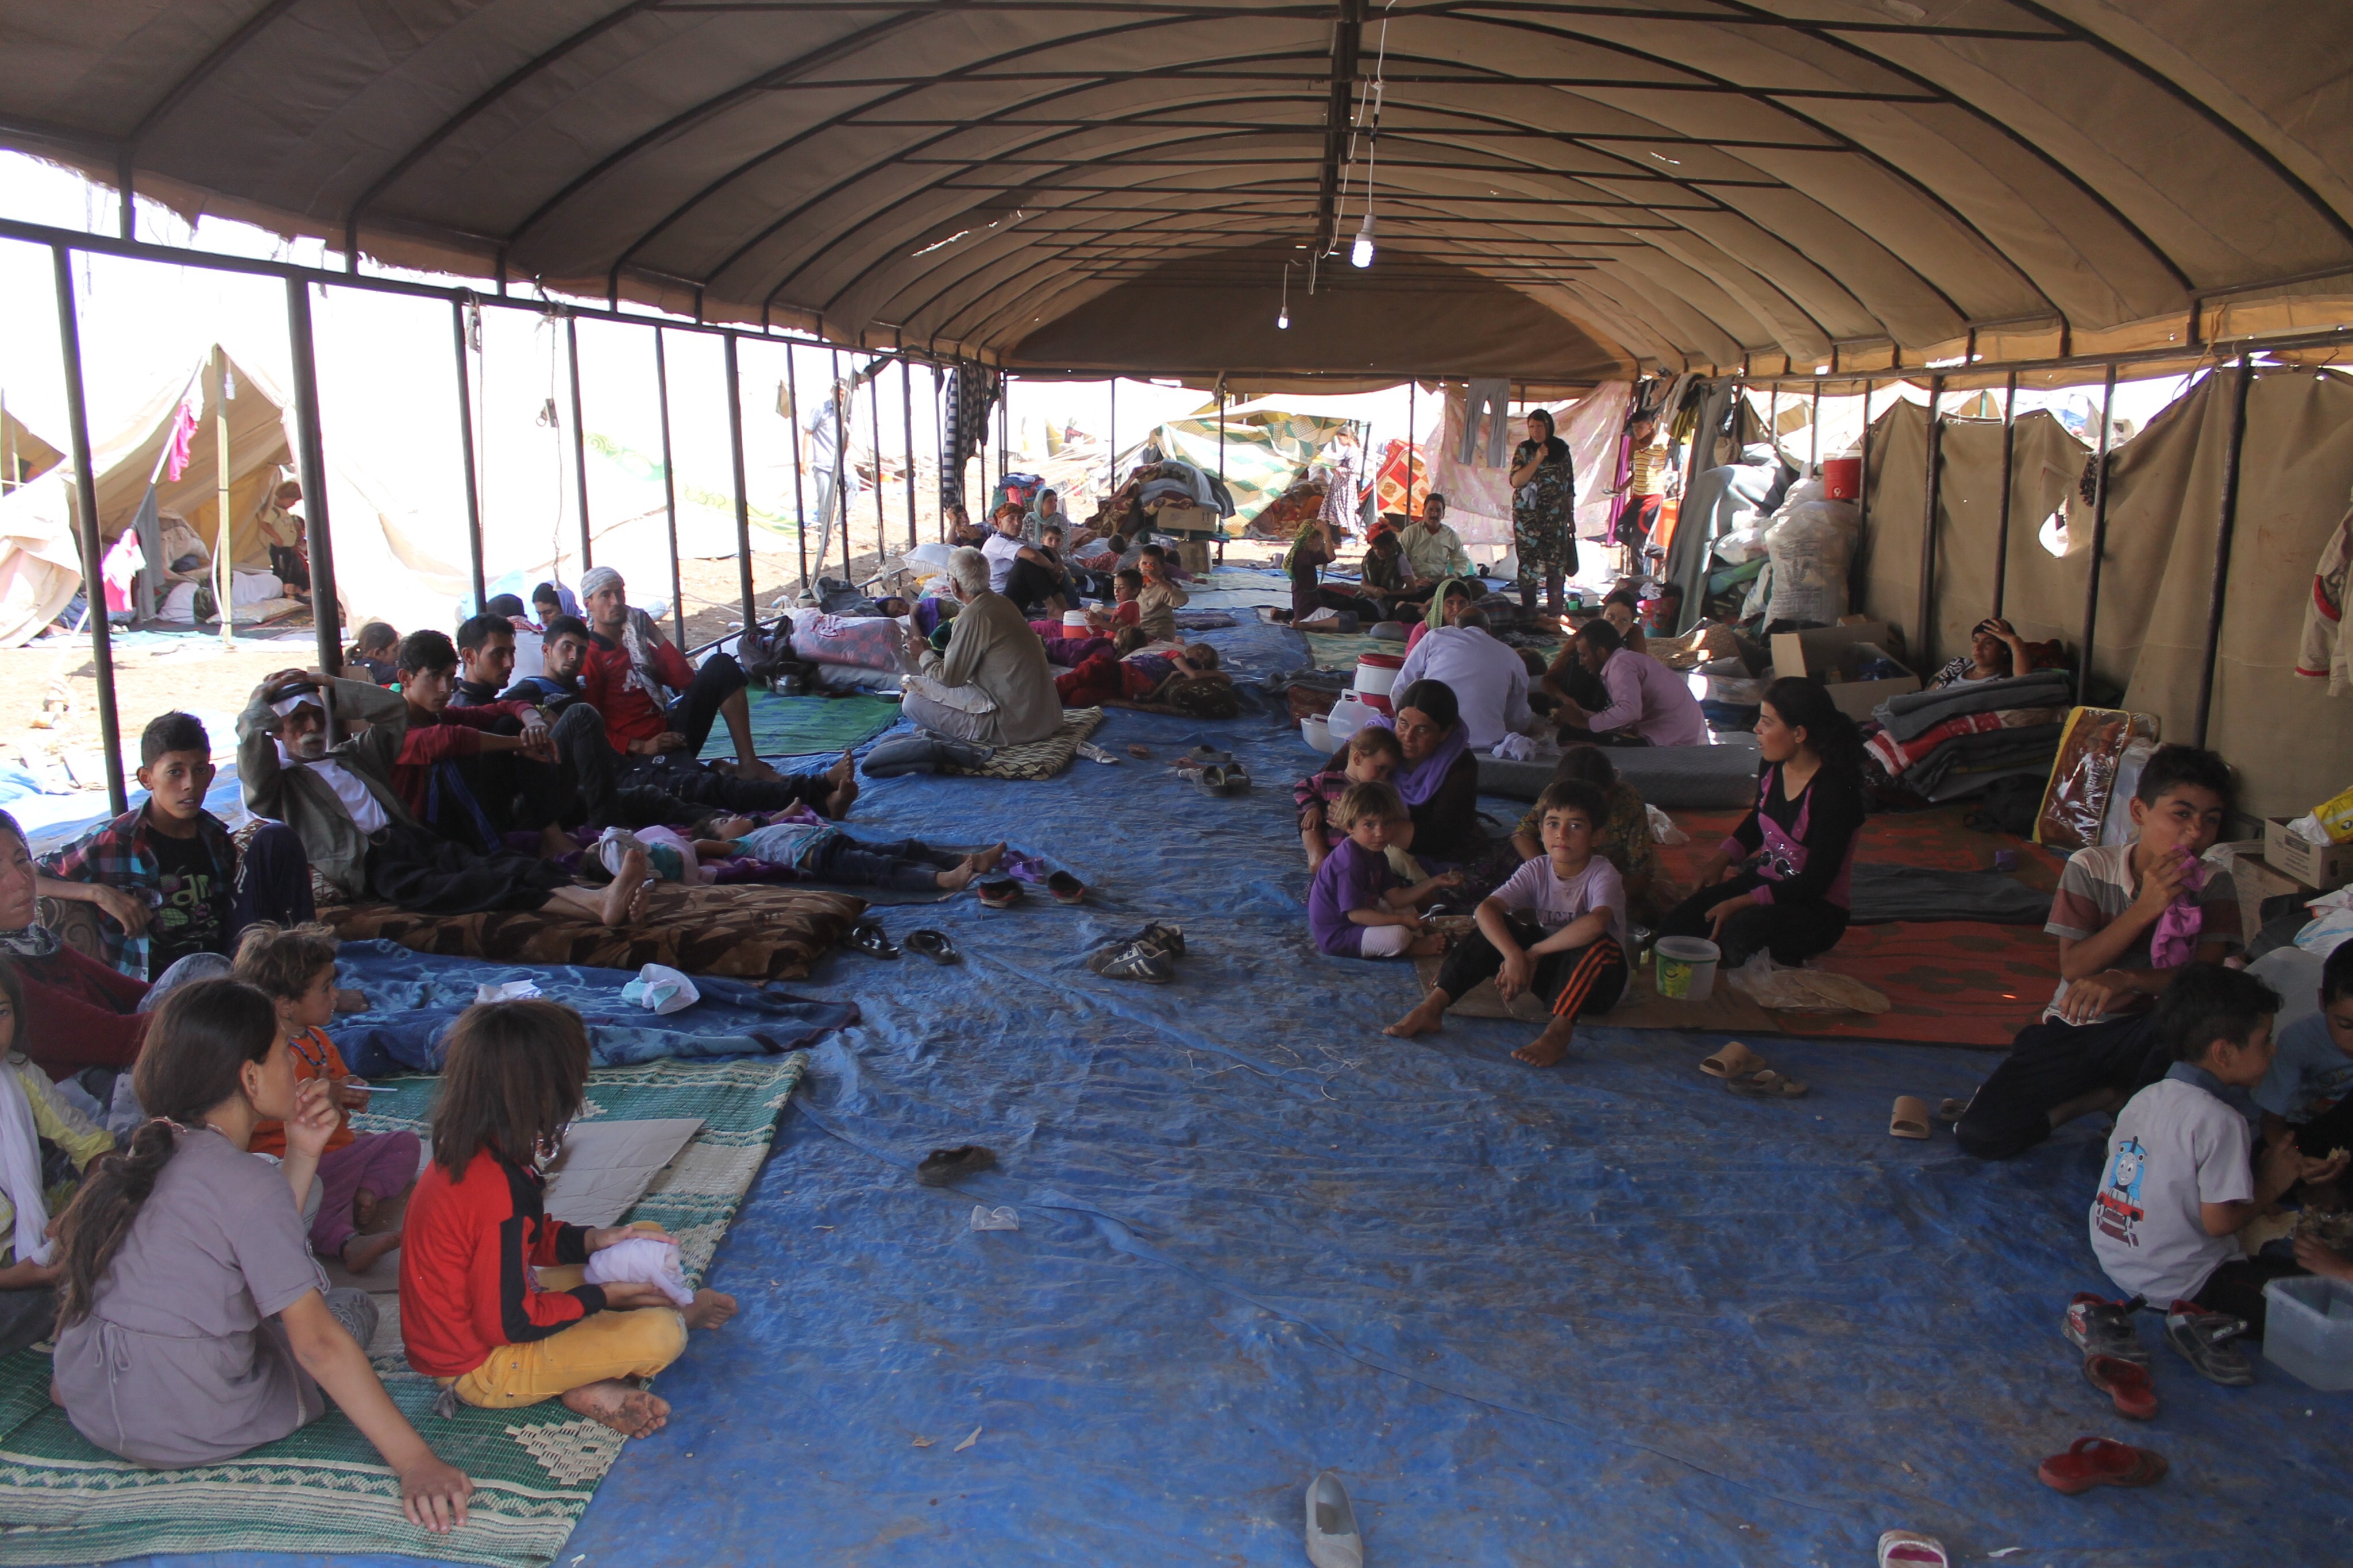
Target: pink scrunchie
2174, 939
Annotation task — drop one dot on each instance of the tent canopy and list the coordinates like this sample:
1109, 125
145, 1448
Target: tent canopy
34, 455
1841, 182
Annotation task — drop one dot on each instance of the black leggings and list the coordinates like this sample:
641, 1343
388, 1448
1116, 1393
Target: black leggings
1573, 981
2237, 1288
2049, 1065
697, 708
1791, 933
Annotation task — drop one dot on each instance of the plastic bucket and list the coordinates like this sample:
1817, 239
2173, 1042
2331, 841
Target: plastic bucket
1377, 673
1378, 702
1841, 479
1686, 967
1316, 730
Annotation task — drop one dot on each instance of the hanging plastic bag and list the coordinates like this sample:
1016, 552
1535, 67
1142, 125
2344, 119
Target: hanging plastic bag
2083, 777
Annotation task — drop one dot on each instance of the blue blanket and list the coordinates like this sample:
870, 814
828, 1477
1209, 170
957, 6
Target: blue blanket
413, 997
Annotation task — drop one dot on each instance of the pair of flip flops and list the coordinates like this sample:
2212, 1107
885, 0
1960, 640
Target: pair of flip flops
869, 938
1748, 1074
2101, 1462
1004, 892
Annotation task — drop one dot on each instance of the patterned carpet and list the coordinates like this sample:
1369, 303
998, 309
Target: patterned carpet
323, 1490
1039, 759
1952, 983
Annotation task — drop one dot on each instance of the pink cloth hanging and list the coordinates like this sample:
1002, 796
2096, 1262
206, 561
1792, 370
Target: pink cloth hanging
184, 437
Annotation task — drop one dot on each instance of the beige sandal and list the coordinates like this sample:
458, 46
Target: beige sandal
1732, 1061
1910, 1118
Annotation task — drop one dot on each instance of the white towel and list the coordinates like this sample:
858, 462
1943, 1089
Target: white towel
20, 1168
642, 1260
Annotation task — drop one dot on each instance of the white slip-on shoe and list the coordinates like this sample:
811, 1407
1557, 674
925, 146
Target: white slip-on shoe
1332, 1538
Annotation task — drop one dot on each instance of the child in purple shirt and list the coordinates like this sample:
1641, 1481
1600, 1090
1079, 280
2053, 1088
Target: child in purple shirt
1372, 755
1356, 906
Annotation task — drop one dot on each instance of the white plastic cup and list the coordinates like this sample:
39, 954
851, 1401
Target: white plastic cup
1685, 968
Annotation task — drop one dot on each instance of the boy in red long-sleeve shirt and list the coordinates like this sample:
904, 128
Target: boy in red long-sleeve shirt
477, 1311
475, 773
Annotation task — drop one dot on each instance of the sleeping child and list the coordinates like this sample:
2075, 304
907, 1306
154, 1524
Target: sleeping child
1356, 907
1557, 929
1372, 755
1138, 678
359, 1171
800, 840
493, 1300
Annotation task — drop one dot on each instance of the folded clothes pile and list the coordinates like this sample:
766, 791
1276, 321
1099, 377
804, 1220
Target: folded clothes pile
1953, 740
1184, 498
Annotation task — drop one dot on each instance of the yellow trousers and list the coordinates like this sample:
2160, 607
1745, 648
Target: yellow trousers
601, 1345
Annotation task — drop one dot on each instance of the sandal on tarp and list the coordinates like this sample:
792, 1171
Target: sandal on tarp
1001, 894
1735, 1058
934, 945
1765, 1084
1205, 757
1910, 1548
1952, 1109
1210, 778
1095, 753
1066, 888
1910, 1118
2101, 1462
1237, 779
870, 940
943, 1166
2125, 1382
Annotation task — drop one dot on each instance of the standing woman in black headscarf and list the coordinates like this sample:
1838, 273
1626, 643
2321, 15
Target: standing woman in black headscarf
1543, 491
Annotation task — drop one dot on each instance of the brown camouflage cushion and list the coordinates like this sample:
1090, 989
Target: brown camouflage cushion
749, 932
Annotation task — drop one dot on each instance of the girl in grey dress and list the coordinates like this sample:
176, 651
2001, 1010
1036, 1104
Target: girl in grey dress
194, 1323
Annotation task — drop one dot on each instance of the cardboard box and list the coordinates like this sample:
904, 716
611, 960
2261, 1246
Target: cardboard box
1193, 555
1832, 655
2322, 866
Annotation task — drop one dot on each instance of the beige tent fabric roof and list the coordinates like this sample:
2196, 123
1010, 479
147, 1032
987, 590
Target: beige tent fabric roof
1832, 181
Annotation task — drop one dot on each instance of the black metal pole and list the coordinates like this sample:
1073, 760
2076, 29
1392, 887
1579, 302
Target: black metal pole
940, 452
1855, 571
466, 445
1111, 441
2226, 527
2008, 462
743, 501
907, 412
1924, 640
93, 581
2099, 538
1411, 385
1814, 435
800, 504
670, 486
1221, 427
579, 434
838, 500
874, 420
311, 463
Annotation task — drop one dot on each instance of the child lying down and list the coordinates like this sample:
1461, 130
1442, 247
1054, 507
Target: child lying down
799, 840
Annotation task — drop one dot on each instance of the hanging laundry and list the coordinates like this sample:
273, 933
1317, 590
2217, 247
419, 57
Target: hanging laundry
2324, 654
119, 566
184, 437
1490, 397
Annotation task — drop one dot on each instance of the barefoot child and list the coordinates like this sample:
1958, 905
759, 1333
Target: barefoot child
473, 1312
296, 970
1372, 755
801, 840
1557, 928
177, 1255
1356, 906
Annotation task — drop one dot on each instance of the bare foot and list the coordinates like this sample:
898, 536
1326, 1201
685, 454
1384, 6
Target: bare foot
625, 894
958, 879
1430, 1018
1547, 1049
1426, 945
362, 1253
712, 1309
755, 769
631, 1412
363, 1203
986, 859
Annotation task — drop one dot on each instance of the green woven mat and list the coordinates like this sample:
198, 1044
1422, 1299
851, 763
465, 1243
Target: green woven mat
798, 726
324, 1489
1039, 759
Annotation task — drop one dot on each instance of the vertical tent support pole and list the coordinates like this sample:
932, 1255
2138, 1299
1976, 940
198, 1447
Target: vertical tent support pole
1862, 505
1221, 429
93, 584
2225, 528
466, 447
2099, 537
874, 420
1814, 435
224, 536
1923, 641
579, 434
834, 500
939, 450
743, 501
1110, 443
1412, 385
800, 505
907, 413
670, 486
2008, 462
311, 463
1773, 420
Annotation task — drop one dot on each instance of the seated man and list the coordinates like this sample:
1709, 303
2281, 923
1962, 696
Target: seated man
992, 684
1433, 551
166, 872
1022, 571
486, 659
473, 774
658, 710
358, 831
1490, 680
1650, 705
2127, 917
564, 652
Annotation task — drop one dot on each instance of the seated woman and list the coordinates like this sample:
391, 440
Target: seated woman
1650, 705
1996, 652
45, 1145
177, 1256
1622, 837
1623, 609
78, 1013
1439, 776
1448, 606
1778, 884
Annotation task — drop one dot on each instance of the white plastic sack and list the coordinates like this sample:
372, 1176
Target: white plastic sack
1811, 545
2332, 924
1663, 827
661, 989
642, 1260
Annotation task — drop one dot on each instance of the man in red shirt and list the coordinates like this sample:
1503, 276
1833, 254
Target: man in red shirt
659, 710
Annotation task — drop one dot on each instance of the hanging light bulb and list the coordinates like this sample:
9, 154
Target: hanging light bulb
1282, 319
1361, 253
1283, 315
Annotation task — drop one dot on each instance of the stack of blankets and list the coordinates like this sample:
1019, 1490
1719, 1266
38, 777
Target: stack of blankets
1953, 740
1182, 498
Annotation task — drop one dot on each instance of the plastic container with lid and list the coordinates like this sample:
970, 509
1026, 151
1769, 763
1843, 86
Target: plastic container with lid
2308, 1330
1841, 479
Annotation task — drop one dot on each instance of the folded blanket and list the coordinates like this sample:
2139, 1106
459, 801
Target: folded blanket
1907, 716
1884, 893
1896, 755
2005, 749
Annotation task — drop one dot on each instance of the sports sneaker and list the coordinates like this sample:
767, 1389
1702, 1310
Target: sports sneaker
2203, 1338
2097, 1326
1163, 938
1132, 961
